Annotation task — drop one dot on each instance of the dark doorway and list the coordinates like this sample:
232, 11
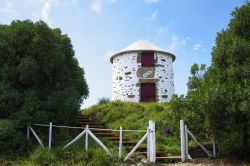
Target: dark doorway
147, 59
148, 92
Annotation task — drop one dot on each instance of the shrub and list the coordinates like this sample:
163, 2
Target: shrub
103, 100
40, 78
6, 128
43, 156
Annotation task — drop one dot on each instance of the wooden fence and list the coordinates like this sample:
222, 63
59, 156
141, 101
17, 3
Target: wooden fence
184, 132
149, 135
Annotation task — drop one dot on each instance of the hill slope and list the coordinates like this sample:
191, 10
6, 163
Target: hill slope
135, 116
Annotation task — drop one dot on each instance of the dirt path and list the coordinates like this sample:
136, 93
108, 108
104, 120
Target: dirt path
211, 162
194, 162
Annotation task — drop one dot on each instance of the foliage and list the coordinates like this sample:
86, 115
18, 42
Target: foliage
103, 100
6, 129
190, 108
40, 79
218, 98
42, 156
227, 82
75, 156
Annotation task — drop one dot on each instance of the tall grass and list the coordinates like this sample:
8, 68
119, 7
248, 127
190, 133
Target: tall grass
135, 116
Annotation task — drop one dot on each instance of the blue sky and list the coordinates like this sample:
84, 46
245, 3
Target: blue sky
99, 28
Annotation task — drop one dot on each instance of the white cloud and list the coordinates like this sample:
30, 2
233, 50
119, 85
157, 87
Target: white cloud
8, 7
161, 31
153, 15
197, 46
48, 5
97, 5
151, 1
46, 9
176, 42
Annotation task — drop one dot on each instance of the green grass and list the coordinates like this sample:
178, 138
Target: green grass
113, 115
135, 116
75, 155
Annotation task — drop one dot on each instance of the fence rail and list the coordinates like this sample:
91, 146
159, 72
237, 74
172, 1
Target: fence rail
70, 127
87, 131
184, 132
149, 137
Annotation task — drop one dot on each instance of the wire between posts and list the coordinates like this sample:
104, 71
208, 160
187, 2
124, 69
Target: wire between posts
70, 127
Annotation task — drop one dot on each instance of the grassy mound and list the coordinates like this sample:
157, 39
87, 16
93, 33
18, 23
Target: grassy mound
135, 116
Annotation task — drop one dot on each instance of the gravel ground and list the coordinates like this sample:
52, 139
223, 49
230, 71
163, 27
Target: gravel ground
211, 162
194, 162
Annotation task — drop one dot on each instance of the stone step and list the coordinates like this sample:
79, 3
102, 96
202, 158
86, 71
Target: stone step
89, 123
91, 126
127, 143
83, 120
114, 138
87, 120
169, 158
101, 131
95, 126
84, 116
142, 148
105, 134
158, 153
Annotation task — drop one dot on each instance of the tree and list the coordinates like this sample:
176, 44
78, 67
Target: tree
190, 107
227, 80
40, 78
218, 98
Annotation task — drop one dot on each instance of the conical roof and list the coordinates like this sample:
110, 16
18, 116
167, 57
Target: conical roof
142, 45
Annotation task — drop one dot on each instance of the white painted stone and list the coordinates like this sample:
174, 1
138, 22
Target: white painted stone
126, 85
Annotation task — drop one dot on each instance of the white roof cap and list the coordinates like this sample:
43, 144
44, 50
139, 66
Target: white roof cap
142, 45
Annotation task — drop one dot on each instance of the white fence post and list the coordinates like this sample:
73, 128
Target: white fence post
28, 132
36, 136
214, 150
148, 145
186, 141
87, 138
152, 155
50, 134
99, 142
120, 143
200, 145
136, 146
75, 139
183, 141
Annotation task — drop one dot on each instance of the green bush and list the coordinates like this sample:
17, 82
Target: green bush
43, 156
103, 100
217, 103
10, 138
40, 78
7, 128
74, 155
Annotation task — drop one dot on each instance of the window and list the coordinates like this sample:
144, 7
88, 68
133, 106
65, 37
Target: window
147, 59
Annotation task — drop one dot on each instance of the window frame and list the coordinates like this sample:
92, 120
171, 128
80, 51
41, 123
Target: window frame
147, 59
